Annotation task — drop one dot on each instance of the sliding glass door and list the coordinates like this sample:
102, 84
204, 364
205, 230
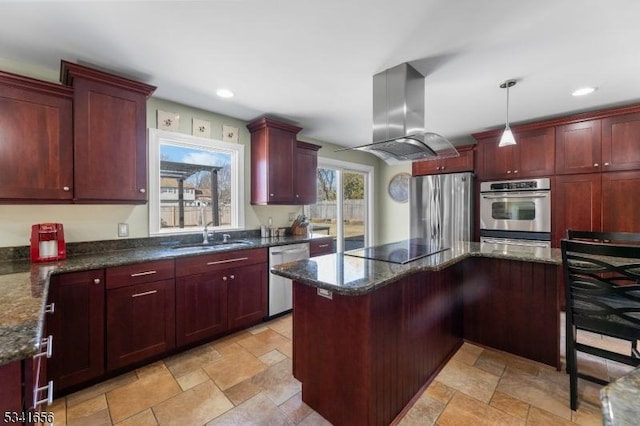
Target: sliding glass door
343, 206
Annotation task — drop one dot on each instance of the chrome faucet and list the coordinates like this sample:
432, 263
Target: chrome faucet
225, 238
205, 234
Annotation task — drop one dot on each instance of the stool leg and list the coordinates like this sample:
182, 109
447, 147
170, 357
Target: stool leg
572, 367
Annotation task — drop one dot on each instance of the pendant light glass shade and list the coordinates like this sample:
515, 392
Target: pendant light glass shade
507, 137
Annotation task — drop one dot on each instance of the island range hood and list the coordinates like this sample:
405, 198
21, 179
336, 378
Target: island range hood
398, 119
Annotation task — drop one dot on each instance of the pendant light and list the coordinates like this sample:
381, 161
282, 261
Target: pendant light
507, 137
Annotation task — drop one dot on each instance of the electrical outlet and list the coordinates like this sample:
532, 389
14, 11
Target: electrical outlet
123, 230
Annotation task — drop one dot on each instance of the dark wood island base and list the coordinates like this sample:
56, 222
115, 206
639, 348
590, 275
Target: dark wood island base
361, 359
364, 354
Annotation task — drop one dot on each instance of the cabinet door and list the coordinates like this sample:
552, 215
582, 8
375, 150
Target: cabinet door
11, 389
535, 153
576, 204
247, 295
110, 144
578, 148
621, 143
201, 307
306, 166
495, 162
77, 326
425, 167
281, 173
620, 202
140, 322
36, 139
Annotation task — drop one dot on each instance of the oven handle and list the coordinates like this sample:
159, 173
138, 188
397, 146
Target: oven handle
513, 243
518, 195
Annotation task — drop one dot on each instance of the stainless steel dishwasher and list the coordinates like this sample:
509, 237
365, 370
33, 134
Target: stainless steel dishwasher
280, 292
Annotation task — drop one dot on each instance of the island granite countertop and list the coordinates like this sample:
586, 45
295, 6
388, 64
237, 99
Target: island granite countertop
24, 286
348, 275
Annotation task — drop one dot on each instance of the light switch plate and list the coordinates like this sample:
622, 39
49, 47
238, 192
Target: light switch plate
123, 230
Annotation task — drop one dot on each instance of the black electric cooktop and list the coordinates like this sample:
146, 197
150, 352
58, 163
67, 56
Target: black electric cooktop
400, 252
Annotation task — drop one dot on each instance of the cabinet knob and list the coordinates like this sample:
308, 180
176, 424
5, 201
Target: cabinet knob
515, 171
66, 189
271, 195
297, 195
96, 280
606, 164
508, 172
442, 168
233, 277
142, 190
224, 278
595, 164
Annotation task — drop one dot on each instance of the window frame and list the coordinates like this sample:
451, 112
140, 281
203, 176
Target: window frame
342, 166
156, 137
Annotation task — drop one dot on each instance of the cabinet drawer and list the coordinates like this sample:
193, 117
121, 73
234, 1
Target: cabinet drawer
213, 262
138, 273
323, 246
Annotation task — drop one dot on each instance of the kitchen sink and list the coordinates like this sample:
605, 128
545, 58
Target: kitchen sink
217, 245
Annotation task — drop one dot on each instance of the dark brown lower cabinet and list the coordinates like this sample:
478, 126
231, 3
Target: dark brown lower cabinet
216, 293
77, 327
201, 307
140, 322
246, 295
11, 389
513, 306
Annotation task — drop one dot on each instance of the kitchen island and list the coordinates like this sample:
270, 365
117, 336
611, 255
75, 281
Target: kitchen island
368, 335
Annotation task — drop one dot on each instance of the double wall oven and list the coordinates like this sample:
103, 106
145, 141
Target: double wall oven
516, 212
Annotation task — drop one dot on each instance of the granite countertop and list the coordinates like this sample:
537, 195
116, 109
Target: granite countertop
24, 285
620, 400
348, 275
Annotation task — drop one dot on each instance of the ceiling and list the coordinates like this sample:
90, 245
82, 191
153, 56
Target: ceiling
312, 62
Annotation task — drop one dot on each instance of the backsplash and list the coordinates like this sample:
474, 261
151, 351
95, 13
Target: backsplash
92, 247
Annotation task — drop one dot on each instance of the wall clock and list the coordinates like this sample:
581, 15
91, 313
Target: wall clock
399, 187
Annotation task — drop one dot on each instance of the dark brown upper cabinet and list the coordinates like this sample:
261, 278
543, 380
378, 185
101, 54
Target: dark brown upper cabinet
36, 139
109, 127
283, 169
532, 156
465, 162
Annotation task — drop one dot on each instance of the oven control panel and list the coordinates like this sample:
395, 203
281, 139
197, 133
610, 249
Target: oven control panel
516, 185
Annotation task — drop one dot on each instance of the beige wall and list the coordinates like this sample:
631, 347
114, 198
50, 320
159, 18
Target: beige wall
100, 222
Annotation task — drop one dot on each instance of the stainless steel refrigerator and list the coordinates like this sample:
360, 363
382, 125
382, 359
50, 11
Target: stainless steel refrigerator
442, 208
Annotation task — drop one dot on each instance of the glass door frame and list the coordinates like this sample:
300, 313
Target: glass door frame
368, 171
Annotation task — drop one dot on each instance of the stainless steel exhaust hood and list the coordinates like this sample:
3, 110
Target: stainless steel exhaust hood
398, 119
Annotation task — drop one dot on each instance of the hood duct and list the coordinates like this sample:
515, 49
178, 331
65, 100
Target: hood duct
398, 119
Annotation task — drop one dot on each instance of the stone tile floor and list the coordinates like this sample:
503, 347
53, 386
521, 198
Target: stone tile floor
245, 379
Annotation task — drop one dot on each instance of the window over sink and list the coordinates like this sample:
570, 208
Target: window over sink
193, 182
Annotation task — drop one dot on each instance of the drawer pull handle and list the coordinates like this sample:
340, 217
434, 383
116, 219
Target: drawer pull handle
50, 308
48, 348
145, 293
141, 274
323, 245
48, 399
218, 262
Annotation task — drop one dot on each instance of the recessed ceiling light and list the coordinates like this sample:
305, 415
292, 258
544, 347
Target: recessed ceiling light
583, 91
224, 93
